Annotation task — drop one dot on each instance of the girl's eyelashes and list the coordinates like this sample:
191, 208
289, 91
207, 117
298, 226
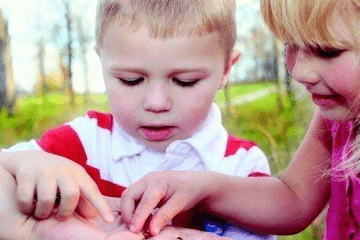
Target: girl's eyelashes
131, 82
185, 83
326, 52
321, 52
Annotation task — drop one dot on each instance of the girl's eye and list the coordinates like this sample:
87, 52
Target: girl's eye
185, 83
131, 82
326, 52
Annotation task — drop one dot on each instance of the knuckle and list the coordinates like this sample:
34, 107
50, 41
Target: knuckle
164, 218
46, 201
69, 195
156, 194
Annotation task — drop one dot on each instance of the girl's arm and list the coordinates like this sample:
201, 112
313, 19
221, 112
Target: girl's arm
279, 206
269, 205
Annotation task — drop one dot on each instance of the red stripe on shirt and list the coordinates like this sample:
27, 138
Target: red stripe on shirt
104, 120
63, 141
258, 174
234, 144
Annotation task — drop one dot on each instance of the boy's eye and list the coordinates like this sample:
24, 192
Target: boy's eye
326, 52
187, 83
131, 82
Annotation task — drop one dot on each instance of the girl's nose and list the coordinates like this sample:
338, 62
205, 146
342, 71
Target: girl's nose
157, 99
304, 68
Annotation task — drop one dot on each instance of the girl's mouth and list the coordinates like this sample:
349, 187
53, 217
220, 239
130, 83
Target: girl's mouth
157, 133
327, 100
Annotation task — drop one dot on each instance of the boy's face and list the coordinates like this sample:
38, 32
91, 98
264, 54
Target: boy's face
161, 90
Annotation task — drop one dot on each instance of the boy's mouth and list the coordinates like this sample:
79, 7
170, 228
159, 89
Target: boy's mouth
158, 133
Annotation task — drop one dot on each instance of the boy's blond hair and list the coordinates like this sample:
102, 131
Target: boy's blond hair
311, 21
171, 18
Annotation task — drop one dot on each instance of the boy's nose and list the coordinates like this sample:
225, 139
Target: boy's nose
304, 69
157, 98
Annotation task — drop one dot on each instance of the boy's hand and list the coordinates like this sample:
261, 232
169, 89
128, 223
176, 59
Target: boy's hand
50, 180
172, 191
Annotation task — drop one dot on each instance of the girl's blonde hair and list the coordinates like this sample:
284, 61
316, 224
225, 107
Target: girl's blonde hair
171, 18
311, 22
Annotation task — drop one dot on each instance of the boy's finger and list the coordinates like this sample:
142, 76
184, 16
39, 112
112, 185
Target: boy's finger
147, 204
69, 197
165, 214
92, 193
46, 194
25, 194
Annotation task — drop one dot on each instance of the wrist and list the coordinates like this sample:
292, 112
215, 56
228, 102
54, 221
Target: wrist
212, 190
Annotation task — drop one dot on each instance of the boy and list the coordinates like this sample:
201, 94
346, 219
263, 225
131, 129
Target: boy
163, 62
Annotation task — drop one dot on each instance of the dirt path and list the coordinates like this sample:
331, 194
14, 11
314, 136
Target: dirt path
247, 98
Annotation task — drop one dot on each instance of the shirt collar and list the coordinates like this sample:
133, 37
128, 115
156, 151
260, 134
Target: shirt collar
124, 145
209, 141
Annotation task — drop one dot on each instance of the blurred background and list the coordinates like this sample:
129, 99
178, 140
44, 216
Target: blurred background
49, 74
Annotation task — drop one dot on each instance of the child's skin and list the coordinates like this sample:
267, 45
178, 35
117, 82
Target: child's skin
16, 226
277, 206
171, 83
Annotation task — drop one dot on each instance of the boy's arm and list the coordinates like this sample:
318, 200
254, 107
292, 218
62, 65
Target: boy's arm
268, 205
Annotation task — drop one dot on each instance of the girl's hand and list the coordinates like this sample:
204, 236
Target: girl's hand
48, 183
172, 191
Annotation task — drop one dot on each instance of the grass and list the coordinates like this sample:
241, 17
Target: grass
277, 132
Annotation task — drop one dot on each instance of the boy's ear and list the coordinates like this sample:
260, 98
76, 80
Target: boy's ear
234, 58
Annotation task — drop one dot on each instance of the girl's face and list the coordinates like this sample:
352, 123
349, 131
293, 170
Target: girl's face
331, 76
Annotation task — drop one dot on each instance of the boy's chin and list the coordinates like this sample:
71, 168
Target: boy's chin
158, 146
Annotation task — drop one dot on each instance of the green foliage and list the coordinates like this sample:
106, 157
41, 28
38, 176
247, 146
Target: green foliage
277, 133
34, 115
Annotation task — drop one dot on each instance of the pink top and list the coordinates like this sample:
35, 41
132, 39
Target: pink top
344, 212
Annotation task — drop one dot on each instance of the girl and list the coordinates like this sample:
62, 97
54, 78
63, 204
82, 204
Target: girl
323, 54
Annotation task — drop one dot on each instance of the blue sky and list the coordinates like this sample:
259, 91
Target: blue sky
28, 18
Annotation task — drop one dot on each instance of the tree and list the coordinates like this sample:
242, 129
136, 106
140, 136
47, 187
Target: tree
41, 62
68, 17
7, 86
84, 40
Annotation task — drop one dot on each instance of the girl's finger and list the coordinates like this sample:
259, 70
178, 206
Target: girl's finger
147, 204
46, 194
129, 198
69, 197
25, 193
166, 213
91, 192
